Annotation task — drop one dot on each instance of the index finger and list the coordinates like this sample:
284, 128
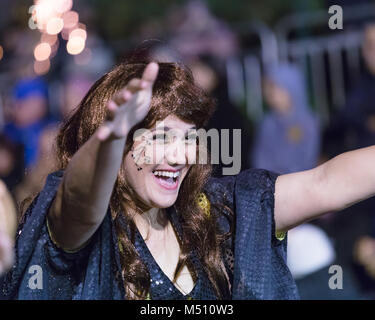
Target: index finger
150, 73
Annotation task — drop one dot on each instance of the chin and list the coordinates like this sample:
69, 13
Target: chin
164, 202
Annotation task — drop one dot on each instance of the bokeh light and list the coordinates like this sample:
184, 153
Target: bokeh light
54, 25
80, 33
44, 11
1, 52
63, 5
42, 51
54, 17
75, 45
70, 19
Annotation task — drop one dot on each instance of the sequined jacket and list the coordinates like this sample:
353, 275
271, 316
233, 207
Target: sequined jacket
255, 257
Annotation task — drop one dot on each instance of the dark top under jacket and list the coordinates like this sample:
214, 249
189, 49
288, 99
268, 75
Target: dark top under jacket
258, 270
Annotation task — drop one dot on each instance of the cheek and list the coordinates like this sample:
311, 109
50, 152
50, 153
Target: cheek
128, 169
132, 175
191, 153
137, 180
154, 153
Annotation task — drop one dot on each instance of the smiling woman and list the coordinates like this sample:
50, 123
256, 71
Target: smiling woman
169, 161
134, 218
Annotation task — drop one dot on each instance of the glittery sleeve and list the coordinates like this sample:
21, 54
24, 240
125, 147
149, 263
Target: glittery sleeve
259, 267
45, 271
57, 245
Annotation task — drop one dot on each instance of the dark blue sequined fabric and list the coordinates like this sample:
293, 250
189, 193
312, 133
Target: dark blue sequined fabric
259, 266
255, 259
161, 286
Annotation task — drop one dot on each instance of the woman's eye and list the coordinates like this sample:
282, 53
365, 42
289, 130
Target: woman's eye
161, 137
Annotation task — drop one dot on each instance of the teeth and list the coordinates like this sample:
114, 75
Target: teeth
167, 174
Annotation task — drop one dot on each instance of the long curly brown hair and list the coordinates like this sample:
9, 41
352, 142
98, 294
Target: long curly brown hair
174, 92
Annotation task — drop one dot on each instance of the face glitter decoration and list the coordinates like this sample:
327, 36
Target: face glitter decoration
162, 159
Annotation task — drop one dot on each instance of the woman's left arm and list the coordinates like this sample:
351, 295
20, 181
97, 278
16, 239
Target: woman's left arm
333, 186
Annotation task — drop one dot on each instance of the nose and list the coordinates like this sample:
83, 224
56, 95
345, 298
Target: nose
175, 153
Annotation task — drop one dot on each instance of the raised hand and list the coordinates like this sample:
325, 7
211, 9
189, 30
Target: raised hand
130, 105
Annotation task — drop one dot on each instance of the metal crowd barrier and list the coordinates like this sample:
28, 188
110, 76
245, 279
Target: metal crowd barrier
330, 60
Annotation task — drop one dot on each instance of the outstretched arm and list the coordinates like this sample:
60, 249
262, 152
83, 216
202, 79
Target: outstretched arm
333, 186
84, 194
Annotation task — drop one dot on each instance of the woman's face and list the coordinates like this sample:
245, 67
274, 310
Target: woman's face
165, 153
277, 98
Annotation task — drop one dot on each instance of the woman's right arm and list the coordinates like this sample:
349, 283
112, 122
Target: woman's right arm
83, 196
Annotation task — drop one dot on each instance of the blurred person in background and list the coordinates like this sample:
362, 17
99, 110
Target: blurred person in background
226, 116
29, 116
8, 225
11, 162
73, 90
364, 263
288, 140
290, 129
204, 42
354, 127
80, 73
44, 164
196, 31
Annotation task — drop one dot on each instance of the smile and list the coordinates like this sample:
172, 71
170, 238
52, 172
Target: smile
167, 179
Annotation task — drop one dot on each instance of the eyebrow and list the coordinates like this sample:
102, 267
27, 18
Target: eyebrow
167, 129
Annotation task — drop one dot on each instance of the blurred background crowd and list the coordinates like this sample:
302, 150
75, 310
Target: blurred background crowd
301, 92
